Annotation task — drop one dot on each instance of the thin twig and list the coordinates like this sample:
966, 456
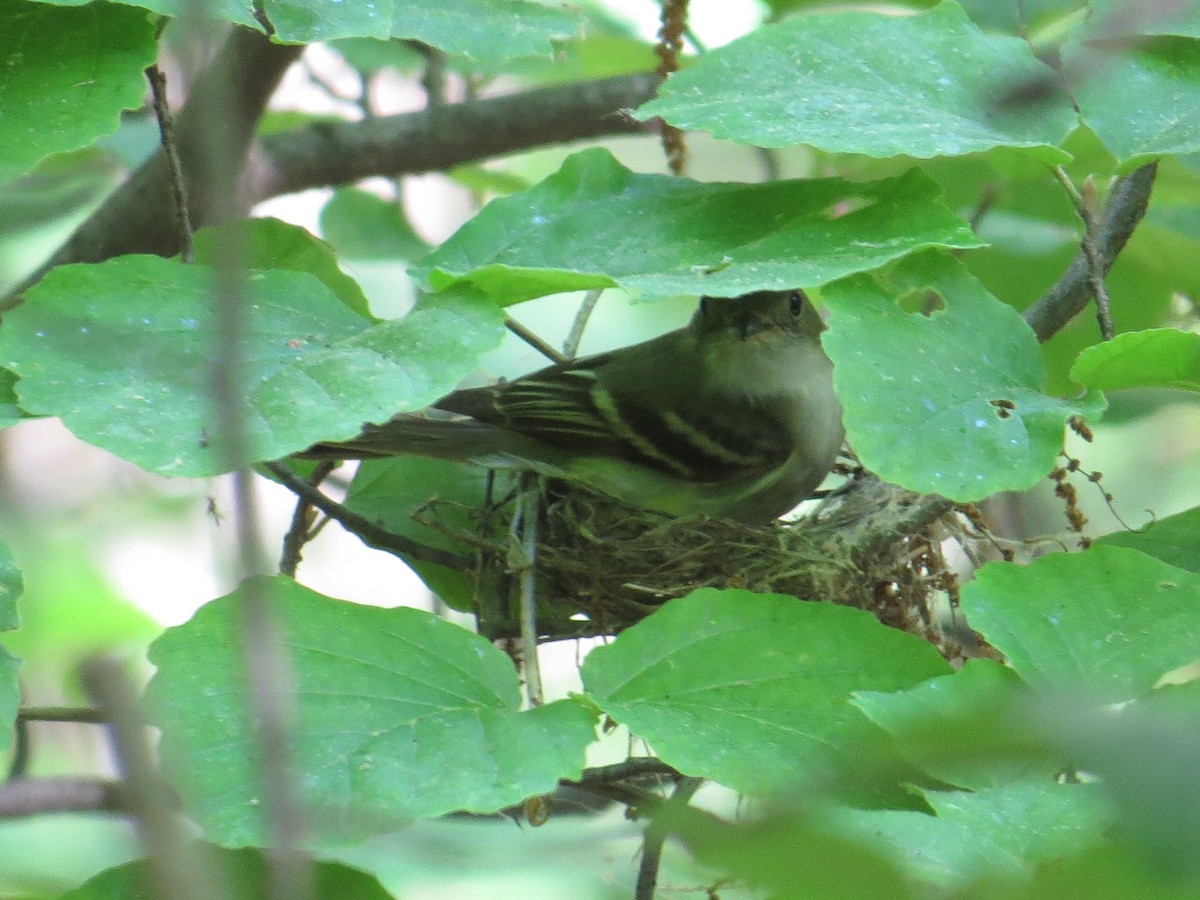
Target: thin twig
656, 836
1127, 202
534, 341
1085, 209
175, 870
85, 714
635, 767
527, 529
301, 530
166, 132
575, 335
364, 528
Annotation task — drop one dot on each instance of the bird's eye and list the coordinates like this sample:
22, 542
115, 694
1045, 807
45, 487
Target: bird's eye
797, 302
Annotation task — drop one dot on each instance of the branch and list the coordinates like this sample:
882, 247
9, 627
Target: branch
441, 137
364, 529
1127, 202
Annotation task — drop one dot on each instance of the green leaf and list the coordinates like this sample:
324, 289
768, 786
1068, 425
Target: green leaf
362, 225
238, 874
997, 832
1174, 540
123, 353
273, 244
1160, 79
594, 224
11, 588
948, 403
399, 715
751, 690
1161, 357
926, 722
793, 857
1109, 621
860, 82
66, 76
10, 409
474, 27
394, 492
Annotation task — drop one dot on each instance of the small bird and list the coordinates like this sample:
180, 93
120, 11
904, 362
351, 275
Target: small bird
732, 416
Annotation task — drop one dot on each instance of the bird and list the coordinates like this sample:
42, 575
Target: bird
733, 416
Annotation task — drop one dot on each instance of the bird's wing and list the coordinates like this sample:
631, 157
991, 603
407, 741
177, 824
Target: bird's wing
590, 408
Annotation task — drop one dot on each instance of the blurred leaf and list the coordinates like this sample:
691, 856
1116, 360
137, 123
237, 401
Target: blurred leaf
67, 75
361, 225
751, 690
1174, 540
1163, 357
1109, 621
914, 716
399, 715
1160, 79
272, 244
997, 832
239, 874
10, 408
595, 224
370, 55
859, 82
11, 587
482, 179
793, 857
959, 410
123, 353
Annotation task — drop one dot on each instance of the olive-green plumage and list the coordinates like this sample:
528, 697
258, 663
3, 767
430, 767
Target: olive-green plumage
733, 415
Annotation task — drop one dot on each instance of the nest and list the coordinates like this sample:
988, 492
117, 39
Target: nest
601, 566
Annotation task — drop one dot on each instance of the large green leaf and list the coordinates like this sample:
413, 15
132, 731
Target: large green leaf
1109, 621
594, 224
1174, 540
1159, 78
752, 690
860, 82
65, 77
399, 715
123, 352
948, 403
996, 832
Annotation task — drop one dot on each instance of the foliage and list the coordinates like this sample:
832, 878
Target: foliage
935, 170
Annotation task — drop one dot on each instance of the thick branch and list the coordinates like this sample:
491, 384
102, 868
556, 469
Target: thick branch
444, 136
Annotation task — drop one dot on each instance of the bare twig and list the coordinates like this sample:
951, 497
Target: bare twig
533, 340
1085, 208
636, 767
299, 532
365, 529
166, 132
1127, 202
174, 869
86, 714
575, 335
526, 530
656, 836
